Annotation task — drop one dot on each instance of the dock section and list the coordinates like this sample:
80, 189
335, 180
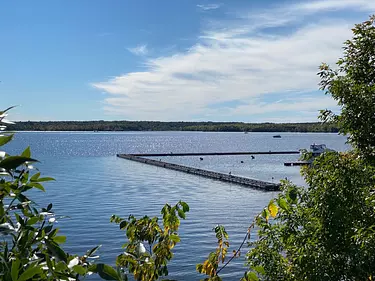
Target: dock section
298, 163
257, 184
214, 153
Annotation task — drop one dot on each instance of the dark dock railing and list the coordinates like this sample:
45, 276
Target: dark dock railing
266, 186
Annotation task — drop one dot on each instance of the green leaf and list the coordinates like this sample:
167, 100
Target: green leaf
30, 272
92, 251
282, 203
19, 219
5, 139
175, 238
9, 108
49, 207
266, 214
59, 239
79, 269
181, 214
22, 198
49, 262
15, 269
56, 250
13, 162
251, 276
123, 224
292, 194
185, 206
35, 177
45, 179
259, 269
37, 185
61, 266
48, 228
32, 220
105, 271
53, 232
26, 152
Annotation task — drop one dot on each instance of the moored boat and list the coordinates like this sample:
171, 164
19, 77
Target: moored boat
315, 150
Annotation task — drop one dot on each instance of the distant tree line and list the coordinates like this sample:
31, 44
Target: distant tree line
172, 126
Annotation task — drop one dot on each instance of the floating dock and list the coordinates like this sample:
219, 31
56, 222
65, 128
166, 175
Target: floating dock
213, 153
298, 163
257, 184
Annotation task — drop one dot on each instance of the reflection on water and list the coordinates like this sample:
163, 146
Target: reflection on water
92, 184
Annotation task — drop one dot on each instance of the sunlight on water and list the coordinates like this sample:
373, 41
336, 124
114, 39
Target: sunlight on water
92, 184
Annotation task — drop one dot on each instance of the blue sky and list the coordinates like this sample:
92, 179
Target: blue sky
229, 60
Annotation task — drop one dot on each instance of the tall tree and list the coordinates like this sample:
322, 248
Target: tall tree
327, 231
353, 86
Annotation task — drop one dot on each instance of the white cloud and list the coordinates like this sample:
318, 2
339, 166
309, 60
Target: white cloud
240, 62
324, 5
208, 7
140, 50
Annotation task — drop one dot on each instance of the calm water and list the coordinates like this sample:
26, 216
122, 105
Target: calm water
92, 184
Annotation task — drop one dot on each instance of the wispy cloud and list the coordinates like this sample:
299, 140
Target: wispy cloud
273, 74
325, 5
208, 7
140, 50
104, 34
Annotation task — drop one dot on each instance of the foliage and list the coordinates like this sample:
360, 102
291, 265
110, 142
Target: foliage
324, 232
353, 86
327, 231
210, 266
150, 262
32, 250
171, 126
31, 247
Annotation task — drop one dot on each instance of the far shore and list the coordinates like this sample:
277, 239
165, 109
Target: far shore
150, 126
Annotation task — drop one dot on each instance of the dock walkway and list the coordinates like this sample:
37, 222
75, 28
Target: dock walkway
214, 153
266, 186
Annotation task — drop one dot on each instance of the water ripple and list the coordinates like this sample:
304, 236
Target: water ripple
92, 184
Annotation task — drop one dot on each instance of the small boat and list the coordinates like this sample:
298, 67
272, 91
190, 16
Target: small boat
276, 136
317, 149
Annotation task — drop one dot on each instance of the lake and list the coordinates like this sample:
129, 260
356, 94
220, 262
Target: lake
92, 184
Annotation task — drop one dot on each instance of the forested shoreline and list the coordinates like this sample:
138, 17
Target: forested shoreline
171, 126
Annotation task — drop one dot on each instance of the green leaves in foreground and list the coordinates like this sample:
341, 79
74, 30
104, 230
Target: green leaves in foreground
12, 162
31, 249
149, 245
210, 266
4, 139
9, 108
106, 272
323, 232
352, 85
